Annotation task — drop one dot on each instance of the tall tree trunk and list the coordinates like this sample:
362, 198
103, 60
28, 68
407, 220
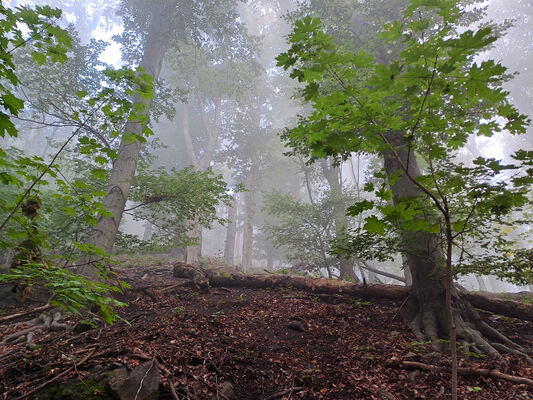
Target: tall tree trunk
426, 305
211, 130
424, 256
147, 234
249, 216
194, 253
270, 259
104, 233
229, 245
481, 283
332, 175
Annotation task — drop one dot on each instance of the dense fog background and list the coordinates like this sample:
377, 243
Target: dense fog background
237, 105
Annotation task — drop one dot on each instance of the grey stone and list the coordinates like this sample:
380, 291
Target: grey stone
226, 389
142, 383
296, 326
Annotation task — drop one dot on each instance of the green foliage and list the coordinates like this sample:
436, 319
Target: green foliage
303, 230
171, 201
50, 42
32, 37
282, 271
70, 291
178, 310
424, 103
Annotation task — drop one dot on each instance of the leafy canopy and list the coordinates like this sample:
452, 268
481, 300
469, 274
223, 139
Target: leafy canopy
425, 103
24, 177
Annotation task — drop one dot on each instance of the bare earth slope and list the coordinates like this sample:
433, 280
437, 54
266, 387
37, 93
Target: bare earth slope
269, 344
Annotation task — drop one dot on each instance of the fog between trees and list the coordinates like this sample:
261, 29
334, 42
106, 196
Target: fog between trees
221, 104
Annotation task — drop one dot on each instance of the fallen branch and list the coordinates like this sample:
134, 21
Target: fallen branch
364, 265
509, 308
23, 314
226, 279
492, 373
284, 392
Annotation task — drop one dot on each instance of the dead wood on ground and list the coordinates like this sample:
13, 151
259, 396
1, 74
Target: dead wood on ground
493, 373
221, 278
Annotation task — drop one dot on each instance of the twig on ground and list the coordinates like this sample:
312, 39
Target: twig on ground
492, 373
143, 378
284, 392
36, 389
386, 395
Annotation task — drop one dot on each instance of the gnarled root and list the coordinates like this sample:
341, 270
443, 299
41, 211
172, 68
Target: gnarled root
474, 334
48, 321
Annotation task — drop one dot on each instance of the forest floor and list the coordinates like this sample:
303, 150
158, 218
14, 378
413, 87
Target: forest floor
269, 344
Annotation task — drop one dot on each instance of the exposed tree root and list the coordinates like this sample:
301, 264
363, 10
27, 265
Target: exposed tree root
493, 373
22, 314
474, 334
46, 321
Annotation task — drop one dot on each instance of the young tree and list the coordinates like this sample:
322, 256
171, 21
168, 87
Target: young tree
420, 107
305, 230
28, 175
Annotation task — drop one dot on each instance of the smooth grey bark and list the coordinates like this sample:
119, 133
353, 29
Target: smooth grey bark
202, 163
321, 244
104, 233
427, 307
332, 175
423, 253
147, 234
270, 260
231, 232
249, 216
481, 283
192, 253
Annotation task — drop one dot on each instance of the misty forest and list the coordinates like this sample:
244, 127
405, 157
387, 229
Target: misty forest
266, 199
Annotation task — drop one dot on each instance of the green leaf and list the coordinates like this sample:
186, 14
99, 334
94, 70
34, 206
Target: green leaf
359, 207
39, 58
374, 225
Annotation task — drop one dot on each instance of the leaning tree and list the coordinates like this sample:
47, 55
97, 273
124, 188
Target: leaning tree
151, 29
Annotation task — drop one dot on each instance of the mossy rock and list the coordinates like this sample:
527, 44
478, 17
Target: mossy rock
76, 390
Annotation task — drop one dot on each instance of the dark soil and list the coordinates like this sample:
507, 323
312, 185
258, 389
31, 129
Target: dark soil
263, 342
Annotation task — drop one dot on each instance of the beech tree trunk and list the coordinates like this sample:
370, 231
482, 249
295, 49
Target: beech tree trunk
423, 254
147, 234
481, 283
203, 162
426, 306
231, 232
332, 175
249, 216
104, 233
